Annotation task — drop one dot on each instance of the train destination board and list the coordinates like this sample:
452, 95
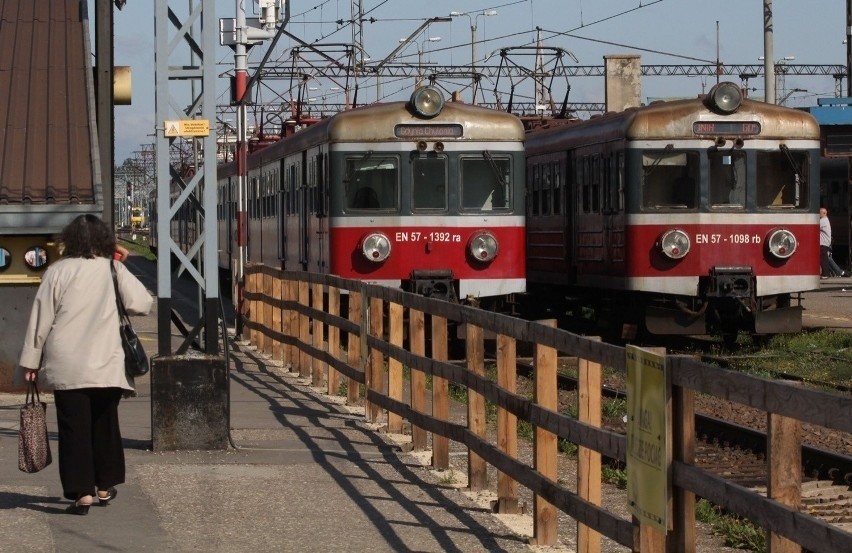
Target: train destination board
735, 128
428, 131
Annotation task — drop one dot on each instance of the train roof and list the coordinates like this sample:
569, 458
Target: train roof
49, 169
672, 119
377, 122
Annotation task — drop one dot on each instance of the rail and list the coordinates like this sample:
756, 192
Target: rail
295, 317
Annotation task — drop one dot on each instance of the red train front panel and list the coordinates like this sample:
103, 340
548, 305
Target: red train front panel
721, 242
434, 244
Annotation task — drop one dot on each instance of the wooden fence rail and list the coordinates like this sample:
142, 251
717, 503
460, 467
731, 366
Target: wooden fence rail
301, 318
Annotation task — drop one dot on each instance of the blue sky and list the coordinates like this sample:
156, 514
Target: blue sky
660, 31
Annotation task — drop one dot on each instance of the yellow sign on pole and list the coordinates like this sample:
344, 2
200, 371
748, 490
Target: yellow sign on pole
186, 127
648, 458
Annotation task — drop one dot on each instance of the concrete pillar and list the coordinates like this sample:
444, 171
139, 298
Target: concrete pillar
623, 81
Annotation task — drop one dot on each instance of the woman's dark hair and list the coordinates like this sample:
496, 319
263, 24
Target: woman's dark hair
87, 236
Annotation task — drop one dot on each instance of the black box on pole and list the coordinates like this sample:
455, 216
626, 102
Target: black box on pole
189, 403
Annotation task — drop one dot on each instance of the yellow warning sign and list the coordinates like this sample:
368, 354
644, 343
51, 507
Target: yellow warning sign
186, 127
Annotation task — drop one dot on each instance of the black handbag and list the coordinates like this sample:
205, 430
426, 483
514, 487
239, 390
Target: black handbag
33, 447
135, 359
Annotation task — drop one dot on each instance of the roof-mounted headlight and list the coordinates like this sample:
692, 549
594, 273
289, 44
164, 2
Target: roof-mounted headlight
376, 247
483, 246
782, 243
725, 98
674, 244
427, 101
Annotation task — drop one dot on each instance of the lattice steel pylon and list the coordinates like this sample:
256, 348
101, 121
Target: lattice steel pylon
186, 34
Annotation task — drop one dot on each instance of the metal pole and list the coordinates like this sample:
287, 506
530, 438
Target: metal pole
849, 50
768, 53
473, 61
240, 80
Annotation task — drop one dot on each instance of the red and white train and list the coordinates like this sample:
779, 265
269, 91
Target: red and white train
683, 217
425, 195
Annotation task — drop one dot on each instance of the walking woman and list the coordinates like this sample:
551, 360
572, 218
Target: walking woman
72, 346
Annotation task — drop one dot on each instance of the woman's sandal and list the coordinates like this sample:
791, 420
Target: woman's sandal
110, 495
78, 508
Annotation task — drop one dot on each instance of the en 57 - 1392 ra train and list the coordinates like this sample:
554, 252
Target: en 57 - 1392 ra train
425, 195
682, 217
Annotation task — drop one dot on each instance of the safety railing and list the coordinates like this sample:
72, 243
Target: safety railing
328, 329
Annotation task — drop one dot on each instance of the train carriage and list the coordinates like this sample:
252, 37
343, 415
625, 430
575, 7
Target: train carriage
682, 217
424, 195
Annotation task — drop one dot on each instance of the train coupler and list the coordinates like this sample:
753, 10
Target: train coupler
434, 284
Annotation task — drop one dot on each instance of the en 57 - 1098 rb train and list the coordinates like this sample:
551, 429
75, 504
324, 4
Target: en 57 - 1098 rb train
683, 217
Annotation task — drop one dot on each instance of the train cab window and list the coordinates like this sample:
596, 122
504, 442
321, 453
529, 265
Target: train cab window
372, 182
669, 180
782, 179
429, 183
727, 170
485, 183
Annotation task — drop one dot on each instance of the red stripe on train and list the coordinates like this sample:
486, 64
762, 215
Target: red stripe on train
427, 248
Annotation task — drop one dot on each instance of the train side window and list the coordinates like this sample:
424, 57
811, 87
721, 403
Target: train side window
485, 183
669, 179
557, 187
535, 191
372, 182
727, 179
429, 183
782, 179
546, 188
585, 187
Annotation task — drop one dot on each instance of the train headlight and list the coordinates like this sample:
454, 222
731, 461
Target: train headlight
674, 244
782, 243
427, 101
376, 247
725, 98
483, 246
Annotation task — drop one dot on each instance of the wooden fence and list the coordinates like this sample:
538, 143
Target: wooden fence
296, 317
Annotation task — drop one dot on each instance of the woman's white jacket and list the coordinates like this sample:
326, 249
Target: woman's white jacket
72, 335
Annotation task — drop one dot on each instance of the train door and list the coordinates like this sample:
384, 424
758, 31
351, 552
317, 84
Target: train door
322, 212
304, 215
590, 248
283, 197
563, 178
613, 255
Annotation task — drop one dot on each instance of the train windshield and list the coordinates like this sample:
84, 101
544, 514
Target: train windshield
727, 179
670, 179
782, 178
485, 183
429, 183
372, 182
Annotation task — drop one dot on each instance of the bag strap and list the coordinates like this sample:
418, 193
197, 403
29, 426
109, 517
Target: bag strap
32, 394
122, 313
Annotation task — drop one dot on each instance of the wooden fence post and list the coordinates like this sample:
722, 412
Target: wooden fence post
477, 468
304, 330
395, 320
507, 423
784, 459
318, 368
291, 324
376, 372
589, 382
544, 513
277, 322
417, 341
440, 394
353, 348
254, 308
333, 382
682, 538
265, 340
